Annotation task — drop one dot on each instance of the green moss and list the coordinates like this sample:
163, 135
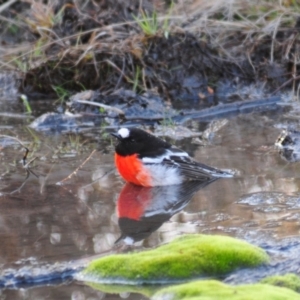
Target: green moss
214, 290
291, 281
186, 257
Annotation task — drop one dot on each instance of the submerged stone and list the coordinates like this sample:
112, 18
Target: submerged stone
145, 290
215, 290
288, 144
186, 257
55, 122
291, 281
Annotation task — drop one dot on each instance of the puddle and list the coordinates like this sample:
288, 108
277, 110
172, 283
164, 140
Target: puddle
73, 211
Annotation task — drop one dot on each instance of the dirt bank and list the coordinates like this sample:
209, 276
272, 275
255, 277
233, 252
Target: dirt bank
183, 50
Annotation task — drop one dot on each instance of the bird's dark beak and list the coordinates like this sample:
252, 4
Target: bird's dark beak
116, 135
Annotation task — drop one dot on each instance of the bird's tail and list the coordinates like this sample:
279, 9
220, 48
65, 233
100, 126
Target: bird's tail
217, 173
223, 173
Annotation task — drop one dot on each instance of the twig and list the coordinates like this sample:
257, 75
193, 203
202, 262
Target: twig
82, 56
24, 163
21, 186
121, 75
97, 179
273, 39
118, 69
107, 107
26, 149
14, 115
41, 29
6, 5
294, 70
76, 170
286, 83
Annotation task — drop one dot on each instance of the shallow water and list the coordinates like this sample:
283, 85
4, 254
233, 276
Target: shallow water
71, 210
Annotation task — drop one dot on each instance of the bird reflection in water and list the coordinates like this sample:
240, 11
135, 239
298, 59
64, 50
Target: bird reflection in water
142, 210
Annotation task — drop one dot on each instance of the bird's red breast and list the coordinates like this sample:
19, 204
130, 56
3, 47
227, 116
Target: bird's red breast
132, 170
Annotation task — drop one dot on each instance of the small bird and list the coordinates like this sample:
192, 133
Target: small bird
143, 159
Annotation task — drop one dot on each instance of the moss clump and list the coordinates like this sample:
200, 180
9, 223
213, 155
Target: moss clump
291, 281
186, 257
215, 290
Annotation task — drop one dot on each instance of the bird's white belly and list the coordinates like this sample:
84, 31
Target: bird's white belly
163, 175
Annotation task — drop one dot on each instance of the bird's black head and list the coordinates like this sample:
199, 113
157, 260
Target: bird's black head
134, 140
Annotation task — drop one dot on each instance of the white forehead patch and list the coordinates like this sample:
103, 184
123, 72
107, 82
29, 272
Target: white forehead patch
124, 133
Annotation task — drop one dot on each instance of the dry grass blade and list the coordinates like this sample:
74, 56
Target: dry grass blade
119, 70
83, 55
6, 5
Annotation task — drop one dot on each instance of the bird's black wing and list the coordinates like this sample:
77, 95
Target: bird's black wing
193, 169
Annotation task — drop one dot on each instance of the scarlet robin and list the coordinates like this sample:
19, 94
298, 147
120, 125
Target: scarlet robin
143, 159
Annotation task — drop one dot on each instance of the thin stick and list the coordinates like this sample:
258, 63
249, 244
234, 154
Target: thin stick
6, 5
286, 83
107, 107
97, 179
76, 170
273, 40
14, 115
24, 163
26, 149
118, 69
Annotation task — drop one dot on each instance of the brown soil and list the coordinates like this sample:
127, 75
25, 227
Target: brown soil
99, 45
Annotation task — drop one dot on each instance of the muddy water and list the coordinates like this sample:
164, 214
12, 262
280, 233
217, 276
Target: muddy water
70, 211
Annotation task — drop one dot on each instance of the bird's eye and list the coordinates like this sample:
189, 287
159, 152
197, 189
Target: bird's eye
132, 140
